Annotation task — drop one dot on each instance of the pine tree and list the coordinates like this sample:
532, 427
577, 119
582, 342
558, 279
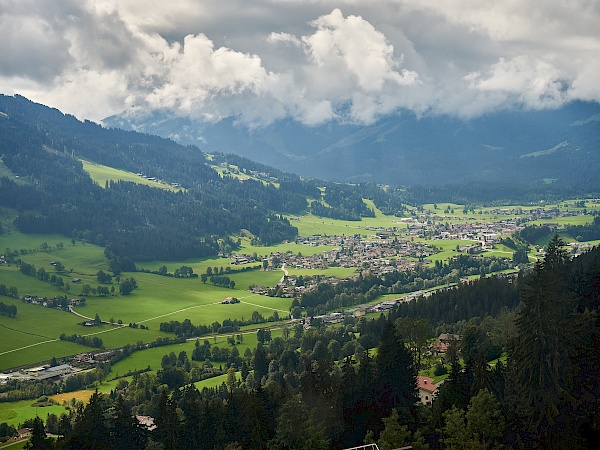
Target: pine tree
395, 435
549, 339
297, 428
167, 423
126, 432
485, 422
89, 430
396, 375
39, 440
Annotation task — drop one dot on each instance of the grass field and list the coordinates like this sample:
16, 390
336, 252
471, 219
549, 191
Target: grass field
161, 299
15, 413
570, 220
215, 381
101, 174
153, 356
32, 336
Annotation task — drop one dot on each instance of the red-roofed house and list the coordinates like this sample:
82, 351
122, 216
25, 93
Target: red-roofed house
426, 389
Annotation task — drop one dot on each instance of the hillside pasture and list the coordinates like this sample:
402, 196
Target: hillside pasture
101, 174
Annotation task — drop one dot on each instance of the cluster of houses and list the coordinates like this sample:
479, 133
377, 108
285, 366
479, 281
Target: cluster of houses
241, 258
57, 302
263, 176
440, 347
379, 254
157, 180
293, 286
486, 233
91, 359
62, 371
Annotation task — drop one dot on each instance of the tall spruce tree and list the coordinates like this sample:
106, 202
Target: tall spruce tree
396, 375
39, 440
549, 339
90, 429
167, 430
125, 432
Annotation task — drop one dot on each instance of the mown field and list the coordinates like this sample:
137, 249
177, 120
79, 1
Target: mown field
33, 335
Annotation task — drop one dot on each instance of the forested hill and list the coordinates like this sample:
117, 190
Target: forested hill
53, 194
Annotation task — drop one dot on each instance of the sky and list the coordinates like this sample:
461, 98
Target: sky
313, 61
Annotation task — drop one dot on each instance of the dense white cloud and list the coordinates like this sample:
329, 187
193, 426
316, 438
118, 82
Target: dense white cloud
352, 47
314, 61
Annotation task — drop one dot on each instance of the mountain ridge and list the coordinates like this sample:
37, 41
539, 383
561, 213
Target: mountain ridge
404, 149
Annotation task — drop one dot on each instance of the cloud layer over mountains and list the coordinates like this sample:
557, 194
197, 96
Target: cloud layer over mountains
314, 61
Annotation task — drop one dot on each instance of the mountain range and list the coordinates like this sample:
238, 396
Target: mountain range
559, 146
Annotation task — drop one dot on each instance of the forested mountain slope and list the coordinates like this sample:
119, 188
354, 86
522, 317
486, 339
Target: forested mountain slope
54, 194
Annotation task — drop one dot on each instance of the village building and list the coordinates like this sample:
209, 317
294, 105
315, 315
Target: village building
427, 390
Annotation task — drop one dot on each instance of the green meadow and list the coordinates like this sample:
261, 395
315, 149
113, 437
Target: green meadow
15, 413
562, 221
153, 356
101, 174
214, 382
32, 336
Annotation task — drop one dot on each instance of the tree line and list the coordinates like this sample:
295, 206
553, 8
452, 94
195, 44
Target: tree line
367, 287
88, 341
